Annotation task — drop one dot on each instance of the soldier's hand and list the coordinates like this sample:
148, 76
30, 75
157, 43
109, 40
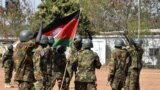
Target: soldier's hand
110, 77
74, 66
44, 80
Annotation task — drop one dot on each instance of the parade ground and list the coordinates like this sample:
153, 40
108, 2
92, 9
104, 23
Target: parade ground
149, 80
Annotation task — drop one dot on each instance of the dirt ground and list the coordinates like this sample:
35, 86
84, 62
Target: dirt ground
149, 80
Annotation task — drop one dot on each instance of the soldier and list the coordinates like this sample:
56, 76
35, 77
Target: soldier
7, 63
59, 67
88, 61
73, 53
117, 66
40, 64
22, 57
50, 64
132, 80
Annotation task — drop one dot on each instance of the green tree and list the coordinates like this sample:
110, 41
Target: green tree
114, 15
13, 18
49, 10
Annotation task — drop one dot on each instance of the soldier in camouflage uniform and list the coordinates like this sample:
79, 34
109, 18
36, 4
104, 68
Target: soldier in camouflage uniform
7, 63
22, 57
117, 66
59, 66
73, 53
87, 61
50, 65
40, 64
132, 80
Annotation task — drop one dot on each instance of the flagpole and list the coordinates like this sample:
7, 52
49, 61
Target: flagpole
139, 17
64, 75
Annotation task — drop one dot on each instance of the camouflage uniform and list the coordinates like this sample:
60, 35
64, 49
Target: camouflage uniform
59, 68
117, 68
40, 67
53, 77
85, 78
8, 63
24, 65
132, 80
71, 67
72, 55
50, 68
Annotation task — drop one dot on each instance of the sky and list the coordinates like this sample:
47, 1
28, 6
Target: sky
34, 3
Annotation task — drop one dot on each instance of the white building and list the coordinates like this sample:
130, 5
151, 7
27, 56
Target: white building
104, 45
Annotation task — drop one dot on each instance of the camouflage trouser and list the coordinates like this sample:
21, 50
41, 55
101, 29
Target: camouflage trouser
25, 86
8, 74
127, 81
38, 85
69, 73
50, 83
85, 85
117, 84
132, 80
59, 78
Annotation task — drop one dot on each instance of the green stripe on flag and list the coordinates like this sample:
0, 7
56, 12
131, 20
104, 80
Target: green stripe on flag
66, 42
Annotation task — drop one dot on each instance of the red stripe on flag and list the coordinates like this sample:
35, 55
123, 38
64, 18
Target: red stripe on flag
67, 31
52, 31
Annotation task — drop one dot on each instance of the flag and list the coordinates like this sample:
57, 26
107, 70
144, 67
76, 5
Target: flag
63, 29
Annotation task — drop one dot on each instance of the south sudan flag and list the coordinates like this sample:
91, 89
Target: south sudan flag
63, 29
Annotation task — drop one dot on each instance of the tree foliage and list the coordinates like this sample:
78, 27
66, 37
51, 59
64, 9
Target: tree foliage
96, 15
49, 10
114, 15
13, 18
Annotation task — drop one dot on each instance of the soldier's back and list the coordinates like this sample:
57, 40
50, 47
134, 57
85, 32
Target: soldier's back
117, 68
59, 64
23, 61
88, 61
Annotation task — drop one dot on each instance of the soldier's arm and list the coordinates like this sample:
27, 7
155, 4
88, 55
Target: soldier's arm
30, 45
111, 70
97, 62
128, 62
68, 53
141, 62
112, 67
75, 63
4, 58
37, 65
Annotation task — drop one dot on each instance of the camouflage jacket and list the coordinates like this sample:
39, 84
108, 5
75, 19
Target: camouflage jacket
59, 64
73, 54
136, 58
50, 56
22, 57
40, 63
118, 63
7, 60
88, 61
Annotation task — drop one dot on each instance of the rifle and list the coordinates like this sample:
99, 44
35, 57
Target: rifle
3, 60
89, 34
129, 40
5, 57
39, 35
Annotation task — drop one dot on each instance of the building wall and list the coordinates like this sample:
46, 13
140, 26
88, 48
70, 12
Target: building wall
104, 45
